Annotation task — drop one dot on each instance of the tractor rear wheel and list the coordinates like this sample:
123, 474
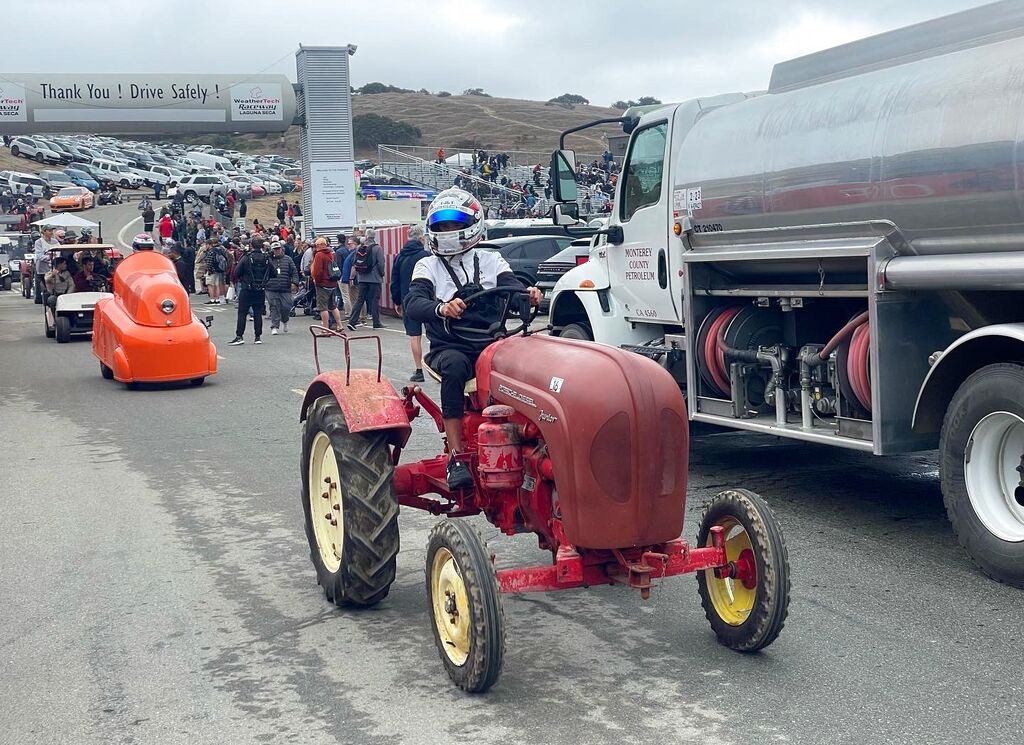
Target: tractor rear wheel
464, 606
350, 507
747, 605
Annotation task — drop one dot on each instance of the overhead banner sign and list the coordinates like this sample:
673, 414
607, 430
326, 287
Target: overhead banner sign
165, 104
333, 189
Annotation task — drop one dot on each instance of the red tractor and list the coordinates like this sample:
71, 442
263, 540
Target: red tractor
582, 444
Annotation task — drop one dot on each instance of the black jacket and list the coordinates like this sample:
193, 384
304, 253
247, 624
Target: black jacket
287, 274
420, 304
401, 271
254, 268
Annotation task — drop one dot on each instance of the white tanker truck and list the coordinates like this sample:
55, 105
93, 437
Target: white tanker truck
839, 259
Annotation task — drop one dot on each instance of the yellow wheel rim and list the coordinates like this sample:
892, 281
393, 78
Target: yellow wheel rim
325, 502
731, 599
451, 606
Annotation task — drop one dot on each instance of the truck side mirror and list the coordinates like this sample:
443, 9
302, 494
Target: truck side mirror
563, 175
567, 214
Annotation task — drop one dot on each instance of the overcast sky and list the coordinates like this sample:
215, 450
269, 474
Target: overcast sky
671, 49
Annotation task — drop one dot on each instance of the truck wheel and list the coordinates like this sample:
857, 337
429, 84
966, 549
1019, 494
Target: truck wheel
464, 606
746, 604
577, 331
62, 328
351, 512
982, 469
106, 372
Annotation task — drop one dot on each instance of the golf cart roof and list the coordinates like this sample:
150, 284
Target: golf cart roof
73, 248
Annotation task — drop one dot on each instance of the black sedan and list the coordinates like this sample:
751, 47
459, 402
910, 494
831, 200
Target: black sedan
525, 252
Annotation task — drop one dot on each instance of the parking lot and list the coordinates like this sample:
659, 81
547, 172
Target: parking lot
157, 588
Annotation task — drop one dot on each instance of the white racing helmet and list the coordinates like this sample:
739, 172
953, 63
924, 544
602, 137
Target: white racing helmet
455, 223
143, 242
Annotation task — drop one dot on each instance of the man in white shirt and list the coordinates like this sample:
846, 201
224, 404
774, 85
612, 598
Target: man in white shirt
43, 244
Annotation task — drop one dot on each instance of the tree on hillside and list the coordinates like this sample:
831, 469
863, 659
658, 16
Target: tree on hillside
443, 94
642, 101
569, 98
370, 130
475, 92
371, 88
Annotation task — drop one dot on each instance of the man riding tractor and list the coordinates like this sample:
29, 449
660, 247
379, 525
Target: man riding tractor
440, 283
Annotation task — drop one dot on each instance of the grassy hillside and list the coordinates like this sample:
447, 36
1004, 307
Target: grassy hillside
454, 122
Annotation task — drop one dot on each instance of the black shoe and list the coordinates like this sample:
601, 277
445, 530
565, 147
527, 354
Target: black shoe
378, 325
459, 476
258, 340
417, 377
350, 326
236, 341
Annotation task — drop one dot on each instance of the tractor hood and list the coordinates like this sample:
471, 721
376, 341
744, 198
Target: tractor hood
616, 428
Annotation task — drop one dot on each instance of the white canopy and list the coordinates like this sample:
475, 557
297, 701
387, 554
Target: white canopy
460, 159
66, 220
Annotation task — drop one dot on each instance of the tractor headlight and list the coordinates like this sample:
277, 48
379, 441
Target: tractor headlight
167, 306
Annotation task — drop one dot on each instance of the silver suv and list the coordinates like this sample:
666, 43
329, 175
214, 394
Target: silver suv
199, 186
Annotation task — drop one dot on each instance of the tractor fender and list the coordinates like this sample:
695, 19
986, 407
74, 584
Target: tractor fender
367, 403
988, 345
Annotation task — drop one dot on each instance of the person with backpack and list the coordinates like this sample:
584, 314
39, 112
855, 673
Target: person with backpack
346, 284
340, 255
254, 272
325, 273
401, 278
218, 264
368, 275
281, 288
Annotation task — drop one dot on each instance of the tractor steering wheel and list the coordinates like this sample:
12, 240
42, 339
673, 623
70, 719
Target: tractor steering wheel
512, 305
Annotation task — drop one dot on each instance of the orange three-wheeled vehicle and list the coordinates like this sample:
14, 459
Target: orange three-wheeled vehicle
147, 332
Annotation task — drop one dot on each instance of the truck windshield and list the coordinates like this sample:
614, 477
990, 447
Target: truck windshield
643, 170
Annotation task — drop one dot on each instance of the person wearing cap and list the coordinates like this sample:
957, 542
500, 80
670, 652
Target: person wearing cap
280, 288
58, 280
369, 282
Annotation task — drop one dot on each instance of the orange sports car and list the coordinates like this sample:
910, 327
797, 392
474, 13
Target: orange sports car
72, 198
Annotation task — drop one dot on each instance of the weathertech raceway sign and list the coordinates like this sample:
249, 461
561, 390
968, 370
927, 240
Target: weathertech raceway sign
145, 103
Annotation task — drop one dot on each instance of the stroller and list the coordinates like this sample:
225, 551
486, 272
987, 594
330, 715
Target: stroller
305, 299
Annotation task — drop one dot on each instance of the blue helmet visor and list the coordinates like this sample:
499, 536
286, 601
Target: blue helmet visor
449, 220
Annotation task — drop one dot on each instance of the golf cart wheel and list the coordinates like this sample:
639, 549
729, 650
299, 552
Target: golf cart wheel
350, 507
62, 329
106, 372
464, 605
981, 451
578, 331
7, 283
197, 381
746, 602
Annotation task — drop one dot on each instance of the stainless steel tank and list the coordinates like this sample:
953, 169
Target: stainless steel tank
922, 126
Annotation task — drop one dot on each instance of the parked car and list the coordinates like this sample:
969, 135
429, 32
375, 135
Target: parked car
21, 183
198, 186
550, 271
80, 178
27, 147
172, 174
525, 252
71, 198
117, 173
55, 181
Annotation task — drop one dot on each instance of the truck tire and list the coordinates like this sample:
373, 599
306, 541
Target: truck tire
62, 328
350, 507
981, 449
578, 331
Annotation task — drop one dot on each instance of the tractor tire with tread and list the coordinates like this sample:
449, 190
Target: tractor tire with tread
763, 621
368, 508
472, 648
993, 390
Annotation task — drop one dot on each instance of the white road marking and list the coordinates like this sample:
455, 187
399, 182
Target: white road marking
120, 235
221, 357
301, 393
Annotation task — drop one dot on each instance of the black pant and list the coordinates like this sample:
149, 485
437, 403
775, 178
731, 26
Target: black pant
250, 300
147, 227
456, 368
369, 294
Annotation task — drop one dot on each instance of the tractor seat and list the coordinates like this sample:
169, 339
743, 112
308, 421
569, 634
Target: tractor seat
470, 384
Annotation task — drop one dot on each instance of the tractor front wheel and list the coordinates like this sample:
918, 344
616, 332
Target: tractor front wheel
351, 511
464, 606
747, 600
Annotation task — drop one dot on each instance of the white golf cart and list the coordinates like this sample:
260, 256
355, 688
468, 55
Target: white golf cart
72, 312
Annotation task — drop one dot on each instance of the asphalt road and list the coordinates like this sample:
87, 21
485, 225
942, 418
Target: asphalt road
155, 587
